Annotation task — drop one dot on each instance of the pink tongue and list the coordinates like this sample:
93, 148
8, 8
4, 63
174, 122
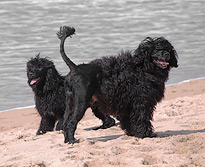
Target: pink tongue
164, 63
34, 81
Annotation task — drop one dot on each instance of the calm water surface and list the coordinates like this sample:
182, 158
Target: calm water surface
103, 27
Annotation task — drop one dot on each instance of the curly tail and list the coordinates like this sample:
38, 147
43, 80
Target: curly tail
65, 32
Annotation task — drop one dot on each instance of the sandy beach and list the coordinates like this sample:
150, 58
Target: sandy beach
179, 121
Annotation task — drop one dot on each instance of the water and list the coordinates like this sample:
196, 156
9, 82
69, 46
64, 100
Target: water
103, 27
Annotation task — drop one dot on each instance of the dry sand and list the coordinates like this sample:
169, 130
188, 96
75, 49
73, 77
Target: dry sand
179, 122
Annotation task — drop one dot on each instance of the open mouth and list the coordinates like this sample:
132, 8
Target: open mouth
161, 63
33, 81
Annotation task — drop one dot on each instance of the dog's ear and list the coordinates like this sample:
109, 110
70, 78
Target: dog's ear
48, 63
49, 80
173, 62
143, 52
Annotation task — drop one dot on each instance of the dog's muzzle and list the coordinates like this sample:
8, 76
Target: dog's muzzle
161, 59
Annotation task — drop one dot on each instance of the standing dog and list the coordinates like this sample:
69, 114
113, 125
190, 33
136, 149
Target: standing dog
127, 86
80, 84
48, 87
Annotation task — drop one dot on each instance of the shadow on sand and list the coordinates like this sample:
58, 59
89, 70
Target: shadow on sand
159, 134
105, 138
180, 132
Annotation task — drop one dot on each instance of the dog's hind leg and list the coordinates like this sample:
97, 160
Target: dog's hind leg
77, 103
71, 120
106, 119
69, 127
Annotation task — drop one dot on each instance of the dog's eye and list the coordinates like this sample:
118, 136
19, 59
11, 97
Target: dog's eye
155, 51
40, 67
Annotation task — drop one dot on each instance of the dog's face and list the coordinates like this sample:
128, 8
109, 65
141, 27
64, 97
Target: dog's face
161, 58
37, 69
159, 51
164, 55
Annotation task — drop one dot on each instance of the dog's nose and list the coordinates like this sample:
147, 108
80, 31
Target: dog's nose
167, 56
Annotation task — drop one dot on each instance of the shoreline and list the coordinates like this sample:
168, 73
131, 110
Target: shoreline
17, 108
170, 85
185, 81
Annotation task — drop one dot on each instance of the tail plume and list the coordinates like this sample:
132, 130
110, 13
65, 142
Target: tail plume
66, 31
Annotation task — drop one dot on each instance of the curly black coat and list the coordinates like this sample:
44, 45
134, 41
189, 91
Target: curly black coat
127, 86
50, 95
48, 87
133, 83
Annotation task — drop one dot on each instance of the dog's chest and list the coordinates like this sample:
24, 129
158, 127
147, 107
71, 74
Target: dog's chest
47, 104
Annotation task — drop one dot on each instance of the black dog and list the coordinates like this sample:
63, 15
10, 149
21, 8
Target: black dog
48, 87
80, 84
127, 86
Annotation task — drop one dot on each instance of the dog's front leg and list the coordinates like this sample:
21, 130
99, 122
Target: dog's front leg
140, 122
47, 124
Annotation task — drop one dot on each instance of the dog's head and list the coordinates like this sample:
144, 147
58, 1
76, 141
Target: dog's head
39, 73
159, 51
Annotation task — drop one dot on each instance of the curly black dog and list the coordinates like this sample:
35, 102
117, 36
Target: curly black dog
48, 87
80, 84
127, 86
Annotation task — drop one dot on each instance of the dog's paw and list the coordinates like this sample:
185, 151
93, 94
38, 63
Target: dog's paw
68, 138
65, 31
70, 141
40, 132
107, 123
